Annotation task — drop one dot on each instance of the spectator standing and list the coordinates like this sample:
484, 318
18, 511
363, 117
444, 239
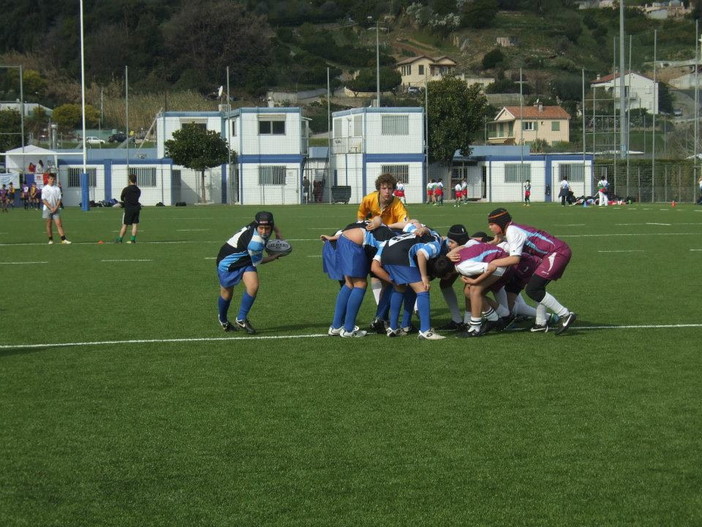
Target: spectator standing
565, 189
51, 198
602, 191
527, 193
130, 198
305, 190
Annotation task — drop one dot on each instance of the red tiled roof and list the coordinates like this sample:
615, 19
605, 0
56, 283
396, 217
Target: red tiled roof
531, 112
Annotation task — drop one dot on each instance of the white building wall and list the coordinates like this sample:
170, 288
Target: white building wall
254, 193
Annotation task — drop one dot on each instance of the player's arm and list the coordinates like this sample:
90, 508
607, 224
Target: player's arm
378, 271
422, 265
507, 261
271, 257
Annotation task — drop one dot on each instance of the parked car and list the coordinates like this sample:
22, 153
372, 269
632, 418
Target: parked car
93, 140
414, 90
119, 137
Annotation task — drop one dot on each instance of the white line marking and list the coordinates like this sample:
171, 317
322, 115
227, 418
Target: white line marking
314, 256
665, 224
623, 251
22, 263
191, 230
279, 337
696, 250
139, 260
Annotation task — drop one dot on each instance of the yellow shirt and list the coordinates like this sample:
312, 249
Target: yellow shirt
393, 213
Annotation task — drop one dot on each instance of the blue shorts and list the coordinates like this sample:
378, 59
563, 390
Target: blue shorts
351, 258
231, 278
403, 274
329, 264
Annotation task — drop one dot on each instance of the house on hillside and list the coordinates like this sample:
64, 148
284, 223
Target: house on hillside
417, 71
639, 91
525, 124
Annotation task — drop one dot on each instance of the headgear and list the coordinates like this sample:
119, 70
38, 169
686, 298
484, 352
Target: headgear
264, 218
500, 217
458, 234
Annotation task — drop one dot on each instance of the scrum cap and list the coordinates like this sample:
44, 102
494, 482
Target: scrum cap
500, 217
458, 234
264, 218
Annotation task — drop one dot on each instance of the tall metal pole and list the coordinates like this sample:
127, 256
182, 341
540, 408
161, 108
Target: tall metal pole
84, 187
377, 62
655, 111
21, 79
697, 95
622, 103
126, 110
582, 111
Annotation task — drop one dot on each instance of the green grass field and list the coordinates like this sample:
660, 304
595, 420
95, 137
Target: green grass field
122, 402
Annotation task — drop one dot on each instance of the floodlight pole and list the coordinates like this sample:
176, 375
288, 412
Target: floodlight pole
84, 188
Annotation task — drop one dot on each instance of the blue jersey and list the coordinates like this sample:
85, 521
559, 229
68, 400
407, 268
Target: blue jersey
403, 249
241, 250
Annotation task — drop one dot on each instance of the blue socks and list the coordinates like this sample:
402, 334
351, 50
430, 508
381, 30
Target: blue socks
410, 299
246, 303
395, 306
223, 307
424, 311
342, 299
352, 307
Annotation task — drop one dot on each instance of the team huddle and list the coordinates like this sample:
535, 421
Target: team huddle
402, 256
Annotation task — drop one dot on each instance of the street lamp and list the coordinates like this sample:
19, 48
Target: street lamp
377, 61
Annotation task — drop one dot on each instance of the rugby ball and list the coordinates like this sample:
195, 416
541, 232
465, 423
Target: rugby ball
278, 247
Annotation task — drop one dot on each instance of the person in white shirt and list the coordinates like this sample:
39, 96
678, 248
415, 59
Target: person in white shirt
565, 189
51, 198
464, 191
458, 190
602, 191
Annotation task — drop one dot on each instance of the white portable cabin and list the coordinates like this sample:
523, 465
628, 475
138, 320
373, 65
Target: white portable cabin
498, 173
367, 142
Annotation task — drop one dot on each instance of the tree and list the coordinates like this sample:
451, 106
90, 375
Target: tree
367, 81
479, 13
68, 117
205, 37
10, 127
456, 115
196, 148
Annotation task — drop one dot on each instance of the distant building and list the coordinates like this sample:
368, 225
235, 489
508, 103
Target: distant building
515, 125
417, 71
639, 91
29, 107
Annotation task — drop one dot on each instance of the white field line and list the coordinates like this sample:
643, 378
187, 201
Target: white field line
664, 224
280, 337
624, 251
191, 230
125, 260
695, 250
610, 235
22, 263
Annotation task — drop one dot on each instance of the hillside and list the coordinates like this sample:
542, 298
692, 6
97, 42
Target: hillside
176, 48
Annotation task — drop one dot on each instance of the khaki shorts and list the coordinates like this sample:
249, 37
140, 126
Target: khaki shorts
48, 215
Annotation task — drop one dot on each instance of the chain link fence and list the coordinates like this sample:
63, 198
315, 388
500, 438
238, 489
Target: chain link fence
649, 182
